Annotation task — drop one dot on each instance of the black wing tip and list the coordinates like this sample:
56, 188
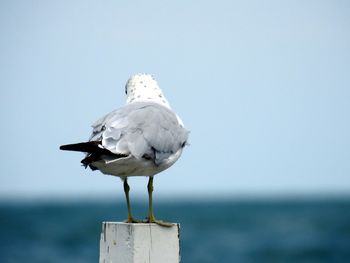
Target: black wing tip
81, 147
64, 147
69, 147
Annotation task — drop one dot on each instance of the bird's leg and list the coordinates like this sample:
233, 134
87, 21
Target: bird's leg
126, 191
151, 218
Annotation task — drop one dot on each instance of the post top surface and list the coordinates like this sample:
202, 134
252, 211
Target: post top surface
135, 224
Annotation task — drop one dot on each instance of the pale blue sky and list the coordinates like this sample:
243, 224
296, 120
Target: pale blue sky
264, 87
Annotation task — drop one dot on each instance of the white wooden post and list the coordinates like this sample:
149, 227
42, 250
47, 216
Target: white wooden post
139, 243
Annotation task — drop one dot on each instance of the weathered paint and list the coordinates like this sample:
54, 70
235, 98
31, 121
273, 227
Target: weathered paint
139, 243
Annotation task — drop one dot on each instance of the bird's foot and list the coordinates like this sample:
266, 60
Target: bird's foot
158, 222
132, 220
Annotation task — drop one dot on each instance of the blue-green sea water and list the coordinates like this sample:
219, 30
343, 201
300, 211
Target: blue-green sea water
310, 231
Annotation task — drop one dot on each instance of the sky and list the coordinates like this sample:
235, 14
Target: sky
263, 86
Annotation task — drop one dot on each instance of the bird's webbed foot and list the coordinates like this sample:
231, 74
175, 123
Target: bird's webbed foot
151, 219
132, 220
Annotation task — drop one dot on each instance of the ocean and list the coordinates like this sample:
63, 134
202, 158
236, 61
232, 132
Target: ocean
238, 231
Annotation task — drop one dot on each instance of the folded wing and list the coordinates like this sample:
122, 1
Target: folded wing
143, 130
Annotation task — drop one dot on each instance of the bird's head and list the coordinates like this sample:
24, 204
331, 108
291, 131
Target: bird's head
143, 87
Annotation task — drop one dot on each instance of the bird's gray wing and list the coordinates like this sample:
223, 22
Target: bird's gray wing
100, 125
144, 130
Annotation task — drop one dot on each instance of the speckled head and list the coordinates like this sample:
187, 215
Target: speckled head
143, 87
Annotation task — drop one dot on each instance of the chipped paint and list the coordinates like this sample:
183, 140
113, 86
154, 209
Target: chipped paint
136, 243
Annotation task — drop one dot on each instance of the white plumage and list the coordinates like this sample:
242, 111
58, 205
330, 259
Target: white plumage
142, 138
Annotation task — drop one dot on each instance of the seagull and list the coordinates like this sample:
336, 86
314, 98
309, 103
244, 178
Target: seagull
142, 138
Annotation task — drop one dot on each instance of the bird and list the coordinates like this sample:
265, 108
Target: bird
142, 138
